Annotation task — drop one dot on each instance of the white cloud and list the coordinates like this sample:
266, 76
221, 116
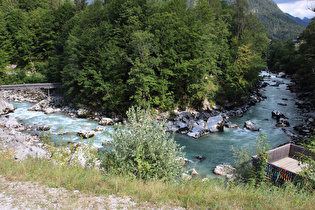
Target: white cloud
298, 8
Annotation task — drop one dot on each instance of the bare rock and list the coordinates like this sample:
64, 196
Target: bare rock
277, 115
251, 126
194, 173
282, 122
106, 121
224, 170
6, 107
231, 125
215, 124
98, 128
83, 113
43, 128
85, 134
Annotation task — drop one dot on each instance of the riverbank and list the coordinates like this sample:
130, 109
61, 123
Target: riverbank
190, 122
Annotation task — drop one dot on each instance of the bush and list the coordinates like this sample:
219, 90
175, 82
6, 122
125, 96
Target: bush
246, 172
143, 149
308, 164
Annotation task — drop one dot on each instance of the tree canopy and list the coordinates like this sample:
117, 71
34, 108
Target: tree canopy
115, 54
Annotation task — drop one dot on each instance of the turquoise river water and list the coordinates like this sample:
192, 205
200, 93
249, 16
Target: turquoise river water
215, 147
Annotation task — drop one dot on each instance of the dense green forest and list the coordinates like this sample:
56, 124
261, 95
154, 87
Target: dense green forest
117, 53
297, 59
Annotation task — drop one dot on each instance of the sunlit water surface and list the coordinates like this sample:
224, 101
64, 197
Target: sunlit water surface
215, 148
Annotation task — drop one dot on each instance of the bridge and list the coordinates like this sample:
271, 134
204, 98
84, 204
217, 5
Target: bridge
31, 86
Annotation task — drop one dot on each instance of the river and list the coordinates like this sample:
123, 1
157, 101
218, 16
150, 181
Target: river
215, 148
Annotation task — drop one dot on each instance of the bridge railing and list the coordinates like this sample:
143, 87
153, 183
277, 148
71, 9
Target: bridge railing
31, 86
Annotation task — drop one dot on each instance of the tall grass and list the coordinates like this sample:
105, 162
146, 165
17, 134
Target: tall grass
193, 194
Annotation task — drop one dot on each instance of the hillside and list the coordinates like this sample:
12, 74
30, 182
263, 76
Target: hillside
279, 25
303, 22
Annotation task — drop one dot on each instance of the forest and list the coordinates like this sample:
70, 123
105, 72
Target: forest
113, 54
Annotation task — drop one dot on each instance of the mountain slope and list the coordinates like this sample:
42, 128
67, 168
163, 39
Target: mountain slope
279, 25
303, 22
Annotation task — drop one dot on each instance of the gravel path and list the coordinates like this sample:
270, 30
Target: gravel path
29, 195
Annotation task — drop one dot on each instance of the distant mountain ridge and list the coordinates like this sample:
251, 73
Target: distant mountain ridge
279, 25
303, 22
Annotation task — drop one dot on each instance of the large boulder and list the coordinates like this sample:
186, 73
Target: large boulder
277, 115
224, 169
281, 75
215, 124
106, 121
182, 127
231, 125
194, 173
86, 134
40, 106
171, 127
83, 113
282, 122
199, 131
251, 126
6, 107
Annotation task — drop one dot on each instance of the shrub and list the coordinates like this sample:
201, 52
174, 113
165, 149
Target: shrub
246, 172
143, 149
308, 163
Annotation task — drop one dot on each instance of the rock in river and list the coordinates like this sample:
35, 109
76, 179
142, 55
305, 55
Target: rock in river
215, 124
85, 134
224, 169
277, 115
43, 128
231, 125
106, 121
251, 126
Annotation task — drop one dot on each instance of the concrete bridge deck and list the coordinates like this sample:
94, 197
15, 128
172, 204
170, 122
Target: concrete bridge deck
31, 86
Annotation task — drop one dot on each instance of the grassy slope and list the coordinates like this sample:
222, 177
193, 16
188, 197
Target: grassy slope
193, 194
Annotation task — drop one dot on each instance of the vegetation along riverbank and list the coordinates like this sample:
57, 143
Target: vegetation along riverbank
199, 61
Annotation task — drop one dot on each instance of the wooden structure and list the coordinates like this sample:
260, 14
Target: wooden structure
284, 163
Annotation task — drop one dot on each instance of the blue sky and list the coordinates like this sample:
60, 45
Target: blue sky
297, 8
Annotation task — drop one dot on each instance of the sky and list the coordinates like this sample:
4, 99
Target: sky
297, 8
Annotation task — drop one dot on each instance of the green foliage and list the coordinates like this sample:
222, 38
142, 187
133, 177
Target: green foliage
143, 149
296, 58
82, 155
155, 194
246, 172
115, 54
261, 148
308, 163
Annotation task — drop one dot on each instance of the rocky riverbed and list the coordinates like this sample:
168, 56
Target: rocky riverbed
193, 123
189, 122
